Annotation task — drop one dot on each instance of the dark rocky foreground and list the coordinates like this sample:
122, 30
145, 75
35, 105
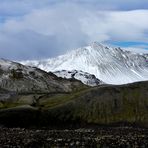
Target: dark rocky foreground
124, 137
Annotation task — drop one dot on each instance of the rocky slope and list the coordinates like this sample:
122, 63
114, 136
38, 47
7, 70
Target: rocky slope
110, 65
84, 77
89, 138
18, 78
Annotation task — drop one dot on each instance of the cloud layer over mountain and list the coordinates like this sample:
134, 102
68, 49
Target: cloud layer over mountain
34, 29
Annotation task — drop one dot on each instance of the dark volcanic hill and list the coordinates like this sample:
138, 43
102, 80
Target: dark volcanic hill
105, 105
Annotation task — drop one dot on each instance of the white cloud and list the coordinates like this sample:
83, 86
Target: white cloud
70, 26
98, 25
136, 50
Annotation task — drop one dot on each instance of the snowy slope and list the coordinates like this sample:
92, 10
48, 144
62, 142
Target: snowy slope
85, 77
110, 65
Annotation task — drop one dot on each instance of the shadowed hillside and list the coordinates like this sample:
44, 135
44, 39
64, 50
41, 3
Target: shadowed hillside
103, 105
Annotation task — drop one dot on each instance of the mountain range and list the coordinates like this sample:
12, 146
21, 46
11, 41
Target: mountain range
109, 65
32, 97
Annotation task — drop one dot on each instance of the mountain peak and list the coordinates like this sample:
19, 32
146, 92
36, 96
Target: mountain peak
97, 44
110, 65
91, 50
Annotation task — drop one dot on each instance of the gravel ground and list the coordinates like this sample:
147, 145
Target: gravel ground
124, 137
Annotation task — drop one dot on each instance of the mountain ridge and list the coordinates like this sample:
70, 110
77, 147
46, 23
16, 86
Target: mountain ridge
84, 77
110, 65
42, 99
19, 78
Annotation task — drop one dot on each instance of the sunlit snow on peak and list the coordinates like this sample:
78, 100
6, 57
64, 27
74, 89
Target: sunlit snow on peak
110, 65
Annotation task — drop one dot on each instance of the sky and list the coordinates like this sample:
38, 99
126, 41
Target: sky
38, 29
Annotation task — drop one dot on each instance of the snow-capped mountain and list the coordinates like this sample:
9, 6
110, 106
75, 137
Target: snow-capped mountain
110, 65
85, 77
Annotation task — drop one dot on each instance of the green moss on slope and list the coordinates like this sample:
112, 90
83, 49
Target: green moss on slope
97, 105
